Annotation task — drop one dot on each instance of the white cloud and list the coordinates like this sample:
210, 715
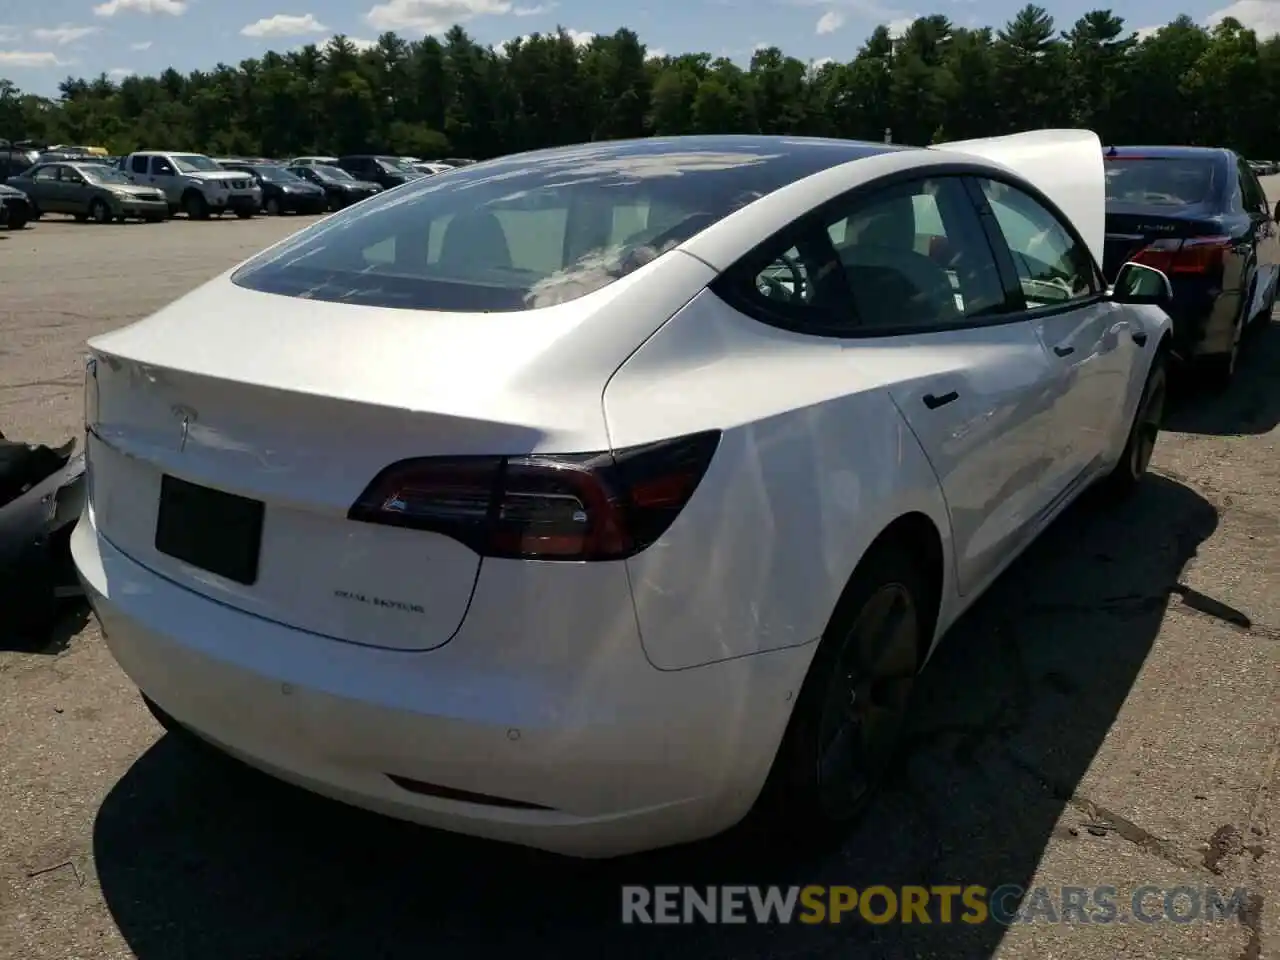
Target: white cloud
579, 37
431, 16
900, 25
821, 62
361, 44
534, 11
830, 22
28, 58
1261, 16
756, 48
140, 45
1145, 32
119, 73
284, 25
63, 34
655, 53
173, 8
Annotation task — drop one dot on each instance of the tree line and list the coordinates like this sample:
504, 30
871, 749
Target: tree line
454, 97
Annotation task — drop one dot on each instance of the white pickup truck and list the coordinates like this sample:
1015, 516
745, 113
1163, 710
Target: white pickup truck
194, 183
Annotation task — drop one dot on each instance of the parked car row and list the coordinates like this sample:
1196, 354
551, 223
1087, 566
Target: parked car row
152, 185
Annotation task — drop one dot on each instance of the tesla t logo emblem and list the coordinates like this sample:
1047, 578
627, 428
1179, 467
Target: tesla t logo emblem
186, 416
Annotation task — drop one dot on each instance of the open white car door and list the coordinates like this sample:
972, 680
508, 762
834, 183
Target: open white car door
1066, 165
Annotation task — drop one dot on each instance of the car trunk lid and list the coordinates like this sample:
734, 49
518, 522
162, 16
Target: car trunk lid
232, 432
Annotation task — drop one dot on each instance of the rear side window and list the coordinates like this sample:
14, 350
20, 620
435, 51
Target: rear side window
527, 231
138, 164
1161, 181
1251, 193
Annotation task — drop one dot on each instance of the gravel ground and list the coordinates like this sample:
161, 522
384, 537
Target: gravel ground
1107, 715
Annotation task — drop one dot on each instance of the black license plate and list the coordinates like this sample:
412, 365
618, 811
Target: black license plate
215, 531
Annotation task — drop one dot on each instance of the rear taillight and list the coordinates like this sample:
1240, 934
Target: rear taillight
582, 506
1192, 255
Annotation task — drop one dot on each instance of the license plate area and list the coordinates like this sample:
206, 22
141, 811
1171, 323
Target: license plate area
215, 531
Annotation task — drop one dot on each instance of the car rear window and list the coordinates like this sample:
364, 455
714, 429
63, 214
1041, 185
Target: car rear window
531, 230
1161, 180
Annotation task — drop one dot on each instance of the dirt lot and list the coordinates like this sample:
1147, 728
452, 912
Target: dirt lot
1108, 715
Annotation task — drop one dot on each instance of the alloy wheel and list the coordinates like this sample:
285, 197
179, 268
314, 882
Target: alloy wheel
866, 703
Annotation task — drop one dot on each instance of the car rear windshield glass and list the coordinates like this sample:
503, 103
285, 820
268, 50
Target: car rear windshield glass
1160, 181
530, 231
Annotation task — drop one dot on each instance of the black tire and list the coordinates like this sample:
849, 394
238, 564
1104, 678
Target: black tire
99, 212
822, 779
17, 220
155, 219
196, 206
1143, 433
244, 214
272, 207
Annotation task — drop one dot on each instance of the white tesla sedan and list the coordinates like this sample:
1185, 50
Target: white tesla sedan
589, 498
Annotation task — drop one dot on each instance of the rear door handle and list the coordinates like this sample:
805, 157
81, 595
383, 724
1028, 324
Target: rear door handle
934, 401
1139, 338
1064, 351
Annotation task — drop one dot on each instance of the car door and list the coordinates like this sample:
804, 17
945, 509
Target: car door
75, 190
45, 189
1090, 340
162, 175
1264, 238
927, 318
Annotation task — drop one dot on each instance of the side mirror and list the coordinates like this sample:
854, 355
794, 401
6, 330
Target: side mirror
1136, 283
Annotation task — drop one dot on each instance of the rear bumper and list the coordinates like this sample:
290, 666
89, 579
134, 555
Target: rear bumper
544, 698
1204, 320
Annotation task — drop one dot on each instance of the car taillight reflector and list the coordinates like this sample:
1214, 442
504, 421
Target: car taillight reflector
582, 506
1192, 255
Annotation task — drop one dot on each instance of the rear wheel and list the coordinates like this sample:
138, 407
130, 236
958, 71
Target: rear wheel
18, 219
852, 708
1143, 433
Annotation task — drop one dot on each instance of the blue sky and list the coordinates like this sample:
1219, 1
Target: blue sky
42, 42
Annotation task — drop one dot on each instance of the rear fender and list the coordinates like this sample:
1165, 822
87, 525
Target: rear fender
815, 461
